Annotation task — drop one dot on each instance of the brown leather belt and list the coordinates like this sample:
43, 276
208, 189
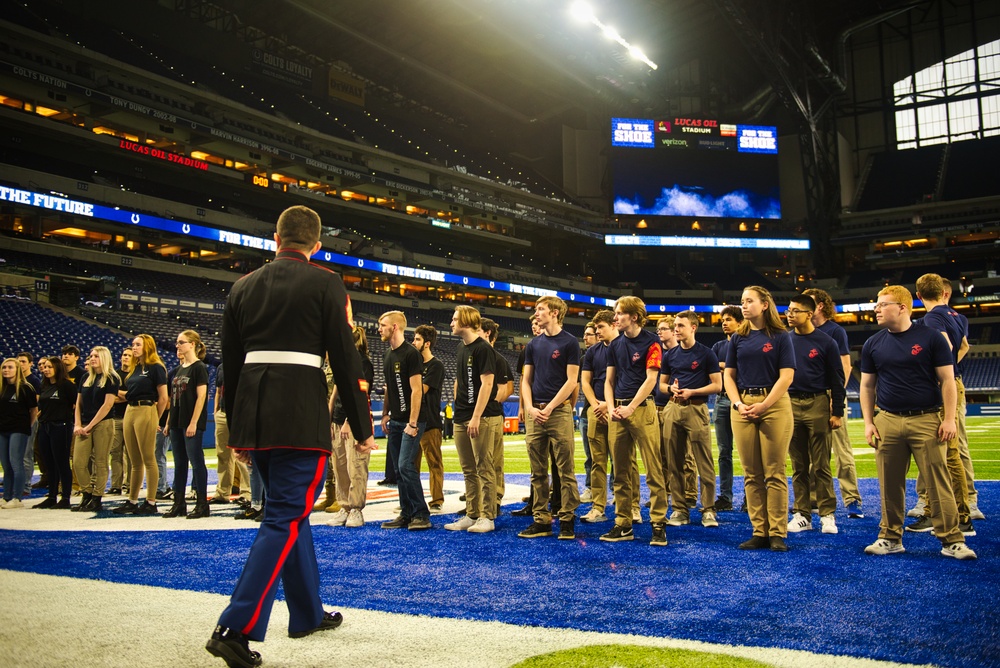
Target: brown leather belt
543, 404
693, 401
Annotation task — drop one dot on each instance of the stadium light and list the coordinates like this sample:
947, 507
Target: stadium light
581, 11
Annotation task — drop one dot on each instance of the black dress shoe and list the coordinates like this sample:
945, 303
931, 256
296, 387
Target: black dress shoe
62, 505
777, 544
331, 620
755, 543
233, 648
179, 509
218, 499
84, 504
200, 510
146, 508
49, 502
722, 504
42, 483
127, 508
522, 512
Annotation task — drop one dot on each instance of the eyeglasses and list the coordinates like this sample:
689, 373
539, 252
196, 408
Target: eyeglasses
181, 343
881, 305
795, 311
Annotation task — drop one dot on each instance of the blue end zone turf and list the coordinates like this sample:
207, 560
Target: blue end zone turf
824, 595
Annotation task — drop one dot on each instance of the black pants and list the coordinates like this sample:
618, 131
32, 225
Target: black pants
55, 441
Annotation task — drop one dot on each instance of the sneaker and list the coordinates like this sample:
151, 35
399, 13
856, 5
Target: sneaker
708, 519
399, 523
917, 510
587, 496
339, 518
14, 504
828, 524
884, 546
355, 519
165, 495
923, 525
958, 551
594, 516
966, 528
854, 511
678, 519
636, 516
461, 524
536, 530
567, 529
231, 646
435, 508
617, 534
777, 544
659, 534
419, 524
145, 508
755, 543
799, 523
127, 508
975, 513
482, 525
526, 511
723, 504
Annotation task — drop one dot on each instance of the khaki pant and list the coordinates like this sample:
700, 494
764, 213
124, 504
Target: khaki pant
963, 445
498, 456
350, 470
96, 445
430, 447
597, 435
642, 431
474, 455
140, 426
119, 460
847, 473
809, 450
690, 465
228, 463
557, 437
959, 464
902, 437
688, 433
763, 447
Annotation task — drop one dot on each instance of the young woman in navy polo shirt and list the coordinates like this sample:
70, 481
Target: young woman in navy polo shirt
760, 365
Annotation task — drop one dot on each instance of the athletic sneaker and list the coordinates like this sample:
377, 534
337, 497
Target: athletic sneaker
13, 504
567, 529
355, 519
399, 523
482, 525
636, 516
966, 528
708, 519
659, 534
885, 546
594, 516
799, 523
854, 511
828, 524
923, 525
617, 534
958, 551
917, 510
435, 508
975, 513
536, 530
678, 519
461, 524
339, 518
587, 496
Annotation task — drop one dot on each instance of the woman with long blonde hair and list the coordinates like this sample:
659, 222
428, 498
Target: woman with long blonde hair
18, 411
146, 393
94, 427
187, 422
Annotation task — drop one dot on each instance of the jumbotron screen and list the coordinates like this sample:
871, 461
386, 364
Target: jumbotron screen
695, 168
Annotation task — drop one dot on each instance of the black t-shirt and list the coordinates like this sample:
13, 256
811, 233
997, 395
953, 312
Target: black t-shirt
400, 365
15, 409
430, 408
475, 360
77, 376
56, 402
144, 383
184, 394
501, 376
339, 414
92, 398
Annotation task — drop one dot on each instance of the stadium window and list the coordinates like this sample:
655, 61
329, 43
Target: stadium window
954, 100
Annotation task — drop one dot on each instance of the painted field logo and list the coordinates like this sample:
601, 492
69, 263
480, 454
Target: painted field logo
916, 349
767, 347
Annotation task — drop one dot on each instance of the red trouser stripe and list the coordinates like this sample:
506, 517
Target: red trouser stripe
293, 535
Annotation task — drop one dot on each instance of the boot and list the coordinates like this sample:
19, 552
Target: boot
63, 504
328, 500
179, 509
200, 510
49, 502
84, 503
95, 505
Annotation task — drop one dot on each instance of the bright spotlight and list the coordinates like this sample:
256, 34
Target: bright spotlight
581, 11
612, 34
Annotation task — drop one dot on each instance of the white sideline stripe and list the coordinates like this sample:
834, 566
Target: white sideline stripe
181, 621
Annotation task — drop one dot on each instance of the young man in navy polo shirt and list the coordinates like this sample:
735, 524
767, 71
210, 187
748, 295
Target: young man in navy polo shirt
731, 317
595, 369
817, 395
633, 366
909, 368
689, 374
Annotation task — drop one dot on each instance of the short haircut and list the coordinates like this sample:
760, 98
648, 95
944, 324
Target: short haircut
70, 350
468, 317
632, 305
899, 293
299, 227
824, 302
931, 286
667, 319
397, 317
805, 301
605, 316
734, 312
590, 325
31, 358
427, 333
555, 305
690, 316
491, 328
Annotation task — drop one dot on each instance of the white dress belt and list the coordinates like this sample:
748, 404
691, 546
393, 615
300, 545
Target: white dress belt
283, 357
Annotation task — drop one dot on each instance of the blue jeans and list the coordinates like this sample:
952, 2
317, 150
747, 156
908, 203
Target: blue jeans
724, 438
29, 458
586, 447
162, 443
405, 448
12, 445
188, 449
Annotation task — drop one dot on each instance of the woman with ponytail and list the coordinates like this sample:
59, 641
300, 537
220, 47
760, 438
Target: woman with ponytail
187, 421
